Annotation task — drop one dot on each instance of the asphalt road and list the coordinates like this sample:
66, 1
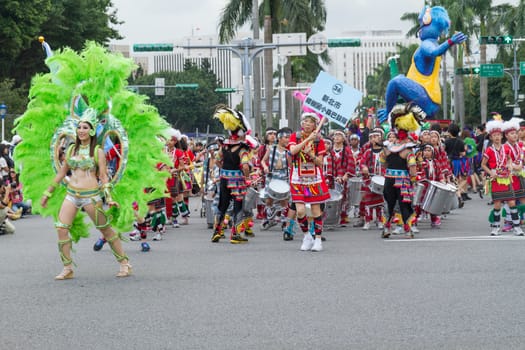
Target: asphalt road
449, 288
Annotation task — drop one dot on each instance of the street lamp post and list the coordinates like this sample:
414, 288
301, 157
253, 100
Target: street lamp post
3, 112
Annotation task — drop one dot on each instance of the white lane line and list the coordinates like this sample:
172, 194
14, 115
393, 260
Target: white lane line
464, 238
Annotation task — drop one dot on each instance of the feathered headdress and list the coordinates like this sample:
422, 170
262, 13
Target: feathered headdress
512, 124
494, 126
407, 117
232, 120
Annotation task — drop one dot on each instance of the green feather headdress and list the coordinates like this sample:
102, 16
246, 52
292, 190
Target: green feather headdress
100, 78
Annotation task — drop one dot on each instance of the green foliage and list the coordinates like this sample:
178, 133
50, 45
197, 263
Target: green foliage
16, 101
187, 109
62, 22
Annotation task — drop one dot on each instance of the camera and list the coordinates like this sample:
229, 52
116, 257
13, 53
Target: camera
13, 185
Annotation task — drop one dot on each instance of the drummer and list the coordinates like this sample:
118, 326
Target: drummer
371, 166
342, 168
275, 166
270, 137
427, 170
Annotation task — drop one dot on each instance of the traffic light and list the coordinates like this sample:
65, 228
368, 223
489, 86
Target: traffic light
152, 47
496, 40
187, 86
344, 42
225, 90
467, 71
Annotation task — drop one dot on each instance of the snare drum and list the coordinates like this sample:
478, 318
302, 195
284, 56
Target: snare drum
437, 198
355, 194
278, 189
377, 183
250, 200
419, 188
332, 210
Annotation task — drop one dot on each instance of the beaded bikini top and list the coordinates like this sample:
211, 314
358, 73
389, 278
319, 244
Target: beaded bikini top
81, 160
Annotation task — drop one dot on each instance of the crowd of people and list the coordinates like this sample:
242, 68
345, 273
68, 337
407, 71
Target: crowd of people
13, 206
368, 177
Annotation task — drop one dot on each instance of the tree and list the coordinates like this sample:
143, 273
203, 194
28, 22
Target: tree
190, 109
278, 16
62, 22
16, 101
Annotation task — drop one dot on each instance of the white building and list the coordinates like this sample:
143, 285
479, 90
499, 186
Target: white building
353, 64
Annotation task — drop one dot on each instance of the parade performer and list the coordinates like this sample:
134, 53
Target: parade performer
421, 84
516, 156
270, 137
307, 184
74, 107
233, 159
498, 166
428, 170
343, 168
400, 163
370, 165
275, 164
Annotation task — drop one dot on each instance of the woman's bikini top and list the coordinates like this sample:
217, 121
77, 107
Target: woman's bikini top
82, 160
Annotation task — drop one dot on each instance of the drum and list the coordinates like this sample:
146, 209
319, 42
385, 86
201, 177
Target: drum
250, 200
210, 217
377, 184
278, 189
354, 190
454, 201
332, 209
419, 188
437, 198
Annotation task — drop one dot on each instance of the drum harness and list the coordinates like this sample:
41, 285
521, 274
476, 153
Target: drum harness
273, 159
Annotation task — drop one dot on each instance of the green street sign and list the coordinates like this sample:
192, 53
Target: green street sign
522, 68
225, 90
152, 47
491, 70
187, 86
467, 71
496, 40
344, 42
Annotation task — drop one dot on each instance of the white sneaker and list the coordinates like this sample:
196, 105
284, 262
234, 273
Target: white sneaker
380, 226
518, 231
318, 245
366, 226
495, 231
158, 237
398, 230
135, 237
414, 229
308, 242
176, 224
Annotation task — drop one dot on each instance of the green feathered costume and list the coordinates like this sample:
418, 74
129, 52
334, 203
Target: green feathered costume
99, 77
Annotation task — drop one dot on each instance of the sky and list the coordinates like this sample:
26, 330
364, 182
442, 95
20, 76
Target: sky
166, 21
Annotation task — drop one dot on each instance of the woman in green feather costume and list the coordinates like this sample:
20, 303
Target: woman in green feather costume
88, 90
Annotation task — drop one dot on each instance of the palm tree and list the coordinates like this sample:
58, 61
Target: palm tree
278, 16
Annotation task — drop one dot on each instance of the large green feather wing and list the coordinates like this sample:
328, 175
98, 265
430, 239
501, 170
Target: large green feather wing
100, 78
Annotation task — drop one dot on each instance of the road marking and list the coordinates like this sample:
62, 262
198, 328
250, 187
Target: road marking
461, 238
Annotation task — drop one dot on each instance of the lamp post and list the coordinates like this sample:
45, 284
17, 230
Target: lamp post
3, 112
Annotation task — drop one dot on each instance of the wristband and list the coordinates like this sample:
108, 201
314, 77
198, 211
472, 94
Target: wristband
106, 188
47, 194
450, 42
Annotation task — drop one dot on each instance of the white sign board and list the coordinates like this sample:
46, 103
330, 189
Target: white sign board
290, 44
200, 46
333, 99
159, 86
